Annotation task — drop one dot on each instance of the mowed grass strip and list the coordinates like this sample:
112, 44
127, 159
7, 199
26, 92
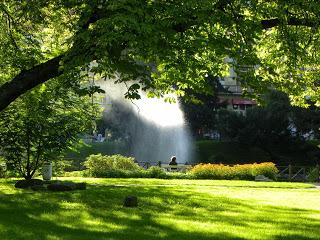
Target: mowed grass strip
184, 182
176, 210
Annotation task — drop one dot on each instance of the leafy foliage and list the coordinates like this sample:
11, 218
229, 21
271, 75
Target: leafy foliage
156, 172
120, 166
168, 45
225, 152
199, 109
102, 166
273, 127
306, 121
40, 125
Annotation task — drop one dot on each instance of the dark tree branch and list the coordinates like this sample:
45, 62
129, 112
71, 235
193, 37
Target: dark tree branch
31, 78
95, 16
27, 80
292, 21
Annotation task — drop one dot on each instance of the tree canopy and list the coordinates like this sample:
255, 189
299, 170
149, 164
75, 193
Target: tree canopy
165, 45
276, 127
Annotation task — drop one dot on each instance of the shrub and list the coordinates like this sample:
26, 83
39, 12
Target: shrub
241, 172
59, 166
313, 175
124, 163
267, 169
82, 173
117, 166
156, 172
111, 166
179, 175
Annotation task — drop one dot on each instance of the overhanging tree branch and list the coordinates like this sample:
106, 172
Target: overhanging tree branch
292, 21
27, 80
41, 73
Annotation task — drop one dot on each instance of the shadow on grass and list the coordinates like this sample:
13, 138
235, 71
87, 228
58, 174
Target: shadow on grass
163, 213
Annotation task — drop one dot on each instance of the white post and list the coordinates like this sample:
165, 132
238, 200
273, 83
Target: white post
47, 171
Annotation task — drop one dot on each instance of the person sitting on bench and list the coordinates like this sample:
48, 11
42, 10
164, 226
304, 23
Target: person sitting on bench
173, 162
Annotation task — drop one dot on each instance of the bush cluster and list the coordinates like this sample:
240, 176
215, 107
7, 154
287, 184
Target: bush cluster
110, 166
240, 172
117, 166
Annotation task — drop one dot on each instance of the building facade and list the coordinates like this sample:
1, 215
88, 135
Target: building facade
231, 95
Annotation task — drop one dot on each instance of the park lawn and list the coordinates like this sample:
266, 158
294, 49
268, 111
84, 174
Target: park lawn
184, 182
168, 209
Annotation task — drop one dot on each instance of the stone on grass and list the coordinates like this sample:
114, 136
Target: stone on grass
66, 186
38, 188
81, 186
61, 186
28, 183
262, 178
130, 201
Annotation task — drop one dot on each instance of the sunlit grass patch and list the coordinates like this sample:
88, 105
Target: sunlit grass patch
168, 209
184, 182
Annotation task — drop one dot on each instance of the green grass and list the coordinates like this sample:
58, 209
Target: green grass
184, 182
168, 209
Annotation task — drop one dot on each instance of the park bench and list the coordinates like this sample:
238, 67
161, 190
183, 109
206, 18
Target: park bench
175, 168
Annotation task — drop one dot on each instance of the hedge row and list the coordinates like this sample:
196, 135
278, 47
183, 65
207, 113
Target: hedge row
117, 166
100, 165
241, 172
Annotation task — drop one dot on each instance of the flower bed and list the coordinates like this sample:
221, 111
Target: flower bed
241, 172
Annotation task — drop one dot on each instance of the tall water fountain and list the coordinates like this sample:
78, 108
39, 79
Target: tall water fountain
156, 129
